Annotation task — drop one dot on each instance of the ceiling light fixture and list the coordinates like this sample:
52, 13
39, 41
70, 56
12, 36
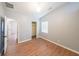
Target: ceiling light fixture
36, 6
38, 9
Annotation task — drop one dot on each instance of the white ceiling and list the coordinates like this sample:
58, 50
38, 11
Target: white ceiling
31, 7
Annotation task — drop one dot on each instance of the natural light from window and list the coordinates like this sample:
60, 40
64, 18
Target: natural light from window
44, 26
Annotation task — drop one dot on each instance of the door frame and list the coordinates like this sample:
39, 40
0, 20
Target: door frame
37, 27
17, 28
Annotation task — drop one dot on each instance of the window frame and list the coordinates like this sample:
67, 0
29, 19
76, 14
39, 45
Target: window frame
44, 28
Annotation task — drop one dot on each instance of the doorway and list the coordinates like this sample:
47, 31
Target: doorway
11, 35
34, 29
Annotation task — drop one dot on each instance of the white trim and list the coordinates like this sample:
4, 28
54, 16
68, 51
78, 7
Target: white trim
37, 27
42, 37
25, 40
60, 45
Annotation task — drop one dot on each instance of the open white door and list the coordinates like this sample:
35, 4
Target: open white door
11, 35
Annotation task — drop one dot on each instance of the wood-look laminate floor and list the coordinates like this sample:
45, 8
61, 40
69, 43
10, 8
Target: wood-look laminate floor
38, 47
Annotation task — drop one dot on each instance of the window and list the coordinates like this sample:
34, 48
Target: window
44, 26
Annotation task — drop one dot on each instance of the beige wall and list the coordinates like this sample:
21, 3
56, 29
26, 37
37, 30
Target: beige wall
63, 25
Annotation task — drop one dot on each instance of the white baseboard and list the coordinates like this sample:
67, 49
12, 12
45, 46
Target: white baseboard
42, 37
25, 40
60, 45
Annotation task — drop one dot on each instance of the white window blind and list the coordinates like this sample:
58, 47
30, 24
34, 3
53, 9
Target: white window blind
44, 26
